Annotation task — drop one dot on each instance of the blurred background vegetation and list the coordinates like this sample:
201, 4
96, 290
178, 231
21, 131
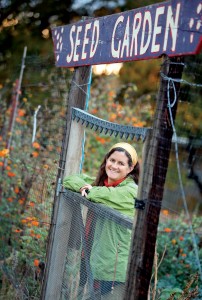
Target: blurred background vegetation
127, 96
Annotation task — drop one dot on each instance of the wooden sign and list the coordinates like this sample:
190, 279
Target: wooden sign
171, 27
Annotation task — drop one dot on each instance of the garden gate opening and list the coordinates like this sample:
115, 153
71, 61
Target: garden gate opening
149, 32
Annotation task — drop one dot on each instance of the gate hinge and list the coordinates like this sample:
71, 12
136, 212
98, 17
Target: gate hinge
140, 204
59, 187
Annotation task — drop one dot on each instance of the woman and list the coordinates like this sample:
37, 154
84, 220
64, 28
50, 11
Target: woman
115, 186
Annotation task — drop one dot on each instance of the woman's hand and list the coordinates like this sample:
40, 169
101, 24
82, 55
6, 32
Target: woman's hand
84, 189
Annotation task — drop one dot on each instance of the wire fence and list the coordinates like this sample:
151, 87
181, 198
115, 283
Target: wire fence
29, 172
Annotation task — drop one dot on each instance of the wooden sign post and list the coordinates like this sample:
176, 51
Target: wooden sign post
151, 186
69, 163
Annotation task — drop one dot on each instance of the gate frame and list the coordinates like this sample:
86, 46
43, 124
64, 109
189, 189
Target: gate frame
142, 249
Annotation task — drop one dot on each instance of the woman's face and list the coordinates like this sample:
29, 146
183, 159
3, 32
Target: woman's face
117, 166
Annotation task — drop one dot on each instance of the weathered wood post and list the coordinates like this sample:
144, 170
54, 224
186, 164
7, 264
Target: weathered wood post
155, 163
69, 163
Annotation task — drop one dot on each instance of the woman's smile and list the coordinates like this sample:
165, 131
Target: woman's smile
117, 166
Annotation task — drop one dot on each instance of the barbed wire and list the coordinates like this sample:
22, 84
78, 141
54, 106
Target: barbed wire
179, 81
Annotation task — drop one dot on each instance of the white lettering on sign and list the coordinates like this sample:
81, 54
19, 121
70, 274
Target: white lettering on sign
85, 41
77, 43
116, 52
69, 56
172, 25
126, 40
157, 29
94, 43
136, 29
80, 37
146, 32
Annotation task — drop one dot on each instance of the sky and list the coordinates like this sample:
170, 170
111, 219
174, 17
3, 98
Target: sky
78, 3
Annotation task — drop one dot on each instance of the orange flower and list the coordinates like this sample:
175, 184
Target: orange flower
10, 199
11, 174
134, 119
101, 140
165, 212
21, 112
167, 229
112, 118
16, 190
1, 163
23, 221
184, 254
35, 154
32, 204
20, 201
38, 236
36, 145
181, 238
46, 166
94, 111
111, 93
19, 120
17, 230
4, 153
8, 168
36, 262
35, 223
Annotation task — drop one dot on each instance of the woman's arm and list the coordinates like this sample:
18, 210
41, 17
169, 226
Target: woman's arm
120, 198
76, 181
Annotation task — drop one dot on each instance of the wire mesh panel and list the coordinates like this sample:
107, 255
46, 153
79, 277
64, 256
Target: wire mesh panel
28, 174
96, 254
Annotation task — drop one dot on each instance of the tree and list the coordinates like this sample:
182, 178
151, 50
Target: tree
28, 23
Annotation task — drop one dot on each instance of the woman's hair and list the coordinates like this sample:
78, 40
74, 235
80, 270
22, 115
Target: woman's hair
102, 175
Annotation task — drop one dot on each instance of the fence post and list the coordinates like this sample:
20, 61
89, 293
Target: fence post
72, 138
151, 187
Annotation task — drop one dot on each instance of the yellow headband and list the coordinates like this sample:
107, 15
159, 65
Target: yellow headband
130, 149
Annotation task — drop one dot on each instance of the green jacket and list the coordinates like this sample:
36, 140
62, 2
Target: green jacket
109, 255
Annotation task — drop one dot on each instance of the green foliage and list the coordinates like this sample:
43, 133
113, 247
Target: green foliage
144, 74
176, 251
167, 292
27, 182
190, 106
